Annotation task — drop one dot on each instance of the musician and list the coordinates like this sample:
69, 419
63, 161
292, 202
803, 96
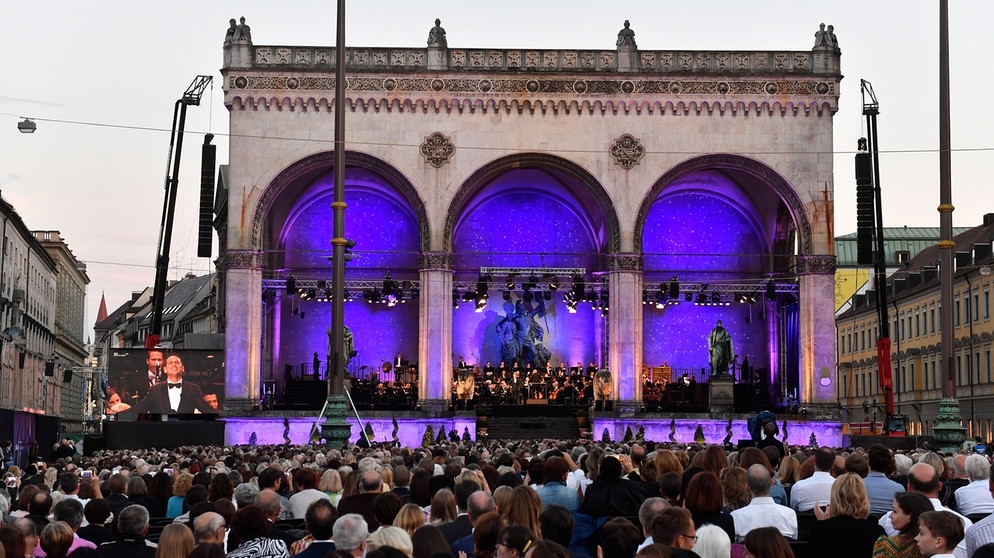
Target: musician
516, 384
562, 370
591, 369
686, 381
399, 363
488, 370
567, 393
462, 363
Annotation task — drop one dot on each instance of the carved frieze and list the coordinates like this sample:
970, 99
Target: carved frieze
815, 265
625, 262
436, 261
243, 259
437, 149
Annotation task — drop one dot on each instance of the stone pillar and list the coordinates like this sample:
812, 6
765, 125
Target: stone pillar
243, 269
625, 329
435, 332
816, 281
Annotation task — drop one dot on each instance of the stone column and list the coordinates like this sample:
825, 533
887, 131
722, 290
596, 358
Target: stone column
816, 281
625, 329
435, 332
242, 336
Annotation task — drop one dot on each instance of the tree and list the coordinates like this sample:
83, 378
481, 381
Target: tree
699, 435
606, 437
429, 437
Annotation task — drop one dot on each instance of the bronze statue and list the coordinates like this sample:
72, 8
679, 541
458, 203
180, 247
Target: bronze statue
719, 349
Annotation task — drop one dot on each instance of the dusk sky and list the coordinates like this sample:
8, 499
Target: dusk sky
100, 78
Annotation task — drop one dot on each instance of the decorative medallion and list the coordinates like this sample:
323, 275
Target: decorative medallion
822, 88
437, 85
675, 87
389, 84
532, 86
579, 86
723, 87
437, 149
486, 85
771, 88
292, 83
627, 87
627, 150
240, 82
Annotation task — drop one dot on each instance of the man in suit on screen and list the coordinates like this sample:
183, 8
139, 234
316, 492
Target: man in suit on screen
174, 395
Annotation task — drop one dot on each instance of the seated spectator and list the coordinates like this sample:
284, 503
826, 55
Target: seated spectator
251, 526
712, 542
394, 537
674, 527
907, 508
762, 511
938, 533
132, 526
515, 540
619, 537
844, 527
97, 513
704, 500
767, 542
610, 495
975, 498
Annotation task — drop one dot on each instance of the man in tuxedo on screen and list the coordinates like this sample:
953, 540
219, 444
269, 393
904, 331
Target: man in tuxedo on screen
174, 395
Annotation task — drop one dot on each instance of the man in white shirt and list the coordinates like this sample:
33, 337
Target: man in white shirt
924, 479
977, 536
976, 496
806, 493
762, 511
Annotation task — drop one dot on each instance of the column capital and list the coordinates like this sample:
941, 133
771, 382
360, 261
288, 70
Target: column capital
241, 259
628, 261
441, 261
814, 265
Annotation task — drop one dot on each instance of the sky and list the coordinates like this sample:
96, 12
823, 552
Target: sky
101, 78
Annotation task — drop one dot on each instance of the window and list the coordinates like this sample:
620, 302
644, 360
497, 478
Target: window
931, 319
987, 305
956, 314
903, 256
912, 387
918, 324
925, 373
976, 307
987, 357
959, 370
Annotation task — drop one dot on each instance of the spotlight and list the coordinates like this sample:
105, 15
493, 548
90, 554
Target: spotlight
532, 283
507, 295
291, 284
27, 126
510, 282
547, 295
688, 297
528, 296
415, 293
481, 305
674, 288
715, 298
660, 300
553, 284
578, 285
771, 290
483, 287
347, 295
322, 283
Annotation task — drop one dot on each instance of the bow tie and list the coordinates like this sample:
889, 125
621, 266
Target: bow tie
177, 386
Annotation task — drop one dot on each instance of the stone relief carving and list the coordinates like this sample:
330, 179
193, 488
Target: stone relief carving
243, 259
437, 149
814, 265
625, 262
627, 150
436, 260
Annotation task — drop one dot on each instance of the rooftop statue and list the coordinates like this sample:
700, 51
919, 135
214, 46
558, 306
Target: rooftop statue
626, 37
826, 37
436, 37
238, 32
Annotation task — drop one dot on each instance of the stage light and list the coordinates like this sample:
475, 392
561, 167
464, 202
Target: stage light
481, 305
291, 284
483, 287
715, 298
674, 288
578, 285
660, 300
322, 283
688, 297
510, 282
415, 293
547, 295
347, 295
771, 290
528, 296
507, 295
532, 283
553, 284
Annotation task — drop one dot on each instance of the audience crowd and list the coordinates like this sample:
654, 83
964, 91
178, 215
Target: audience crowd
523, 499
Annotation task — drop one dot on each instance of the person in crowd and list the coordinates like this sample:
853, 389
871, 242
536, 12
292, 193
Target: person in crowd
55, 540
12, 541
526, 509
209, 528
751, 456
428, 541
331, 485
923, 479
959, 479
844, 525
513, 541
319, 518
649, 508
70, 512
554, 489
389, 536
705, 499
96, 513
762, 511
177, 505
735, 487
975, 498
907, 507
306, 481
409, 518
611, 495
478, 504
443, 507
385, 507
220, 487
176, 541
138, 494
766, 542
461, 525
674, 527
712, 542
251, 527
370, 486
879, 487
619, 537
818, 487
132, 526
938, 533
350, 533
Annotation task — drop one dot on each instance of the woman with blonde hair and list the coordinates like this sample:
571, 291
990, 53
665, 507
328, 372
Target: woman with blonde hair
443, 507
409, 518
525, 508
176, 506
56, 538
844, 528
331, 485
394, 537
790, 471
176, 541
502, 500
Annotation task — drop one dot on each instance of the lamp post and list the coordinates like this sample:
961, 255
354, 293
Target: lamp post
336, 429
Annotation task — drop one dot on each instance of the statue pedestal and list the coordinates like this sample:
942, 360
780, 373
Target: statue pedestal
722, 388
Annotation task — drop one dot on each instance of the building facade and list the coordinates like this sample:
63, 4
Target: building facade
915, 331
622, 173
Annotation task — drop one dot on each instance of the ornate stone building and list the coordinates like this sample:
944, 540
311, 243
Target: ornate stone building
625, 174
